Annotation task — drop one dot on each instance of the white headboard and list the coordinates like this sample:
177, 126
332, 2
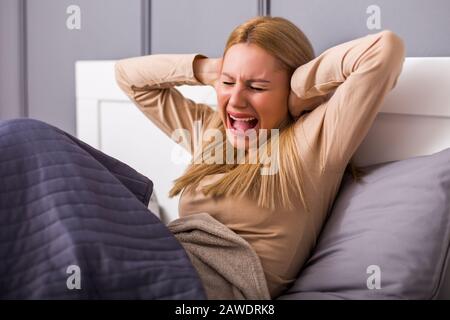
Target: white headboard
414, 121
415, 117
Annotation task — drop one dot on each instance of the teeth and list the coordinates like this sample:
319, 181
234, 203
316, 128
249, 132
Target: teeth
242, 119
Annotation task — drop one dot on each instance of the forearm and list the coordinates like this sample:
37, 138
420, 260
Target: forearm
149, 82
156, 71
321, 76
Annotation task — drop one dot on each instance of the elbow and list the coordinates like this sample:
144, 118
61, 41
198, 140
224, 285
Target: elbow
394, 55
120, 77
394, 48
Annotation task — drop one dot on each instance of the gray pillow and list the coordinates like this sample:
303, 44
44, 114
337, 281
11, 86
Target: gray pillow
389, 233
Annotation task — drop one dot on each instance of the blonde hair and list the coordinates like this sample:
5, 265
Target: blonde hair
289, 45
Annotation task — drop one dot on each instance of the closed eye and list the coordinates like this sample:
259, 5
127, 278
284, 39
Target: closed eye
257, 89
253, 88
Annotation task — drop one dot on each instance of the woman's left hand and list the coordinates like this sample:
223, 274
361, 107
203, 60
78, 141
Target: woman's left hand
297, 105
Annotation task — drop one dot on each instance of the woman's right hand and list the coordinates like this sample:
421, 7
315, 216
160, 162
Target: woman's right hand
207, 70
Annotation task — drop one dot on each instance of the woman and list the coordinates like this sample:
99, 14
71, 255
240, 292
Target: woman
268, 78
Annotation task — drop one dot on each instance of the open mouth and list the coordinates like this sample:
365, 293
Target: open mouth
240, 124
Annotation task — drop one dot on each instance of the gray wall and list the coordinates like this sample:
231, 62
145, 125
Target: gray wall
196, 25
12, 104
50, 49
110, 29
35, 32
423, 24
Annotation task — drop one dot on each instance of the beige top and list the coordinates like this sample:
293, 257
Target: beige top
356, 74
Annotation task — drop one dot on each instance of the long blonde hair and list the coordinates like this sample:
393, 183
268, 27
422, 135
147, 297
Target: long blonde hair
289, 45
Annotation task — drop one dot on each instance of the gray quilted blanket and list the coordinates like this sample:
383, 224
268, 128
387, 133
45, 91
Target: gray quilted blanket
74, 224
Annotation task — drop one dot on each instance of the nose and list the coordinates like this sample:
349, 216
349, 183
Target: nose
237, 97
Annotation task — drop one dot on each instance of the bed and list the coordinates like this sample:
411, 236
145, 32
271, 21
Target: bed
411, 132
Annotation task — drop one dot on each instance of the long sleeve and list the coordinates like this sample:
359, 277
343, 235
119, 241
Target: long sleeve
149, 82
357, 74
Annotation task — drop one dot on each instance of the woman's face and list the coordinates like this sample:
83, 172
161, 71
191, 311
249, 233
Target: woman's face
252, 91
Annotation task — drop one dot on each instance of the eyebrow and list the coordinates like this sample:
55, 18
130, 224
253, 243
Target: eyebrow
249, 80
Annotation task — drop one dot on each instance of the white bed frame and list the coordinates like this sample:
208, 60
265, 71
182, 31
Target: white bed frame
414, 121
